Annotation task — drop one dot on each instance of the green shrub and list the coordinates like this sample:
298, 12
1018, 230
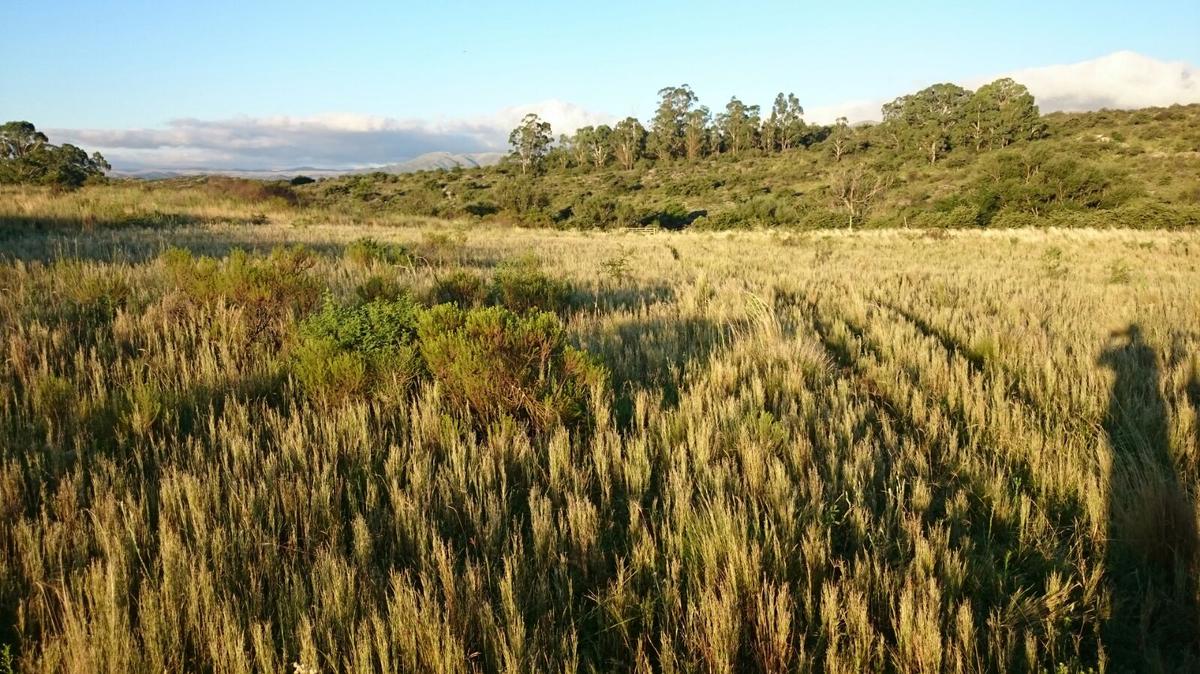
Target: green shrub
669, 216
521, 286
495, 364
378, 288
603, 212
347, 350
460, 287
366, 251
269, 288
522, 197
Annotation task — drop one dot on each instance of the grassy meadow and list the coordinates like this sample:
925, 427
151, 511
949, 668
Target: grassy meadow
752, 451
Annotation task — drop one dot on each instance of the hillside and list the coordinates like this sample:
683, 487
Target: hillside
1131, 168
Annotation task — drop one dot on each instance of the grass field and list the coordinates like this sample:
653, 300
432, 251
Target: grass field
894, 451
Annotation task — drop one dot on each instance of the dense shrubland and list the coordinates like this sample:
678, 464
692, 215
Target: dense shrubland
1135, 169
780, 451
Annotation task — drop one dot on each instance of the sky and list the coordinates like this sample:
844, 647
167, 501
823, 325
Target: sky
267, 84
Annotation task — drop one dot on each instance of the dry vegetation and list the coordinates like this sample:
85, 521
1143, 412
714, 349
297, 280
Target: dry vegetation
885, 451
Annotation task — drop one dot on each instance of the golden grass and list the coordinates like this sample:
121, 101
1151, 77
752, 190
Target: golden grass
889, 451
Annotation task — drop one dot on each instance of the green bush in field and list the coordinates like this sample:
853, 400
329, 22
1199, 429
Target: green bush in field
346, 350
520, 285
496, 363
460, 287
604, 212
377, 288
367, 251
268, 288
490, 362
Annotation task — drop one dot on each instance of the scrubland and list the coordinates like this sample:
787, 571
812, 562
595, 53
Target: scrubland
235, 443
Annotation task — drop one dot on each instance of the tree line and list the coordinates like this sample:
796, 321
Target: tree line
928, 124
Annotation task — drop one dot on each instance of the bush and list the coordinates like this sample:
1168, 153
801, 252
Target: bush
461, 288
269, 289
522, 197
250, 191
671, 216
603, 212
366, 251
490, 363
521, 286
358, 349
378, 288
495, 364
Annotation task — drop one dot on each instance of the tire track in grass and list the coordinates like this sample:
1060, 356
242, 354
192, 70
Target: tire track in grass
1031, 567
993, 372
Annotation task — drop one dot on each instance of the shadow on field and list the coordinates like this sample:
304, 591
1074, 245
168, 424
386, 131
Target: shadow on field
137, 245
611, 299
654, 355
1153, 543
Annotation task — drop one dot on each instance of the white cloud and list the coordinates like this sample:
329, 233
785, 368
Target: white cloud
1122, 80
340, 140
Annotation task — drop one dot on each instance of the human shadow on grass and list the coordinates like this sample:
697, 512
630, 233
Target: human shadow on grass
1152, 538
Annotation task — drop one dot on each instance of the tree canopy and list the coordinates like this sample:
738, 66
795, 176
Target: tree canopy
530, 141
27, 157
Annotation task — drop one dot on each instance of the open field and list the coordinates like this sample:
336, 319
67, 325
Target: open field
895, 451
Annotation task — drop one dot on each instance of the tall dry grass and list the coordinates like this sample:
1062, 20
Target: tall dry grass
883, 451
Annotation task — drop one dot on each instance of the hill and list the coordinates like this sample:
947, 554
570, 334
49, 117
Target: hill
1133, 168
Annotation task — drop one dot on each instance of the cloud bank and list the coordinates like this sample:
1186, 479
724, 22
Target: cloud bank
327, 141
338, 141
1123, 80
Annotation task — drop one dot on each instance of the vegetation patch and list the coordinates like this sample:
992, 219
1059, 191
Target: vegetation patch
497, 364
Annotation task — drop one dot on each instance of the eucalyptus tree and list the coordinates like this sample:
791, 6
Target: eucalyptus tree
18, 139
696, 132
668, 126
738, 125
530, 141
628, 142
597, 144
841, 138
789, 120
26, 156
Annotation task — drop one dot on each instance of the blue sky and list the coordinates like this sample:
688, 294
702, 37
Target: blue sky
122, 64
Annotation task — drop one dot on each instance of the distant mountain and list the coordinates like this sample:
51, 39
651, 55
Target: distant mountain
440, 160
426, 162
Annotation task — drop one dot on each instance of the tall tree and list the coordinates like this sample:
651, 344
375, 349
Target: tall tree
696, 132
667, 128
791, 121
530, 141
738, 124
579, 145
1001, 113
599, 145
18, 139
930, 120
628, 141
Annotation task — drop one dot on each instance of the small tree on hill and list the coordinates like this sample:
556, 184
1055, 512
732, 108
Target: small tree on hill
855, 189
